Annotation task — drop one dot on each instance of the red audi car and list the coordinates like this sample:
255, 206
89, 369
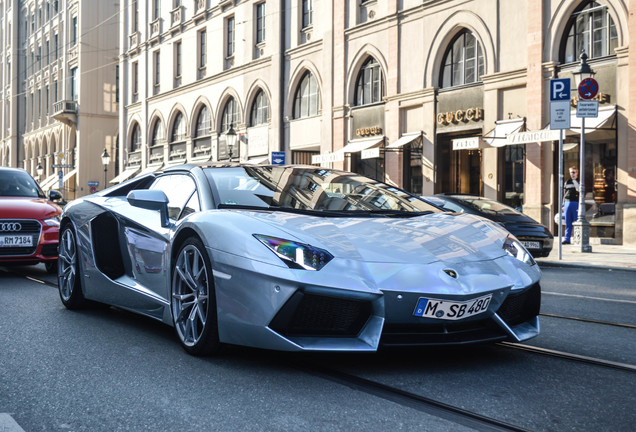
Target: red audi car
29, 221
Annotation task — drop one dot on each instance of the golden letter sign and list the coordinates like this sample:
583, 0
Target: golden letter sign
471, 114
370, 131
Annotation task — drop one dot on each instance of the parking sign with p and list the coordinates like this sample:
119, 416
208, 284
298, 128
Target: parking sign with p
560, 89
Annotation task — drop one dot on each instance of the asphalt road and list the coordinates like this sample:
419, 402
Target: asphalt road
108, 370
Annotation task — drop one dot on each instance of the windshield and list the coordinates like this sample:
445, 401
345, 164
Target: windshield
306, 188
491, 207
17, 183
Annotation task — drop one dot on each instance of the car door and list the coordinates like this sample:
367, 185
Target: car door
148, 242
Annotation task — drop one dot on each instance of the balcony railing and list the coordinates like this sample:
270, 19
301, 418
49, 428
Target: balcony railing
65, 111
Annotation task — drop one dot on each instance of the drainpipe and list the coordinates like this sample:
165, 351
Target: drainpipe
281, 106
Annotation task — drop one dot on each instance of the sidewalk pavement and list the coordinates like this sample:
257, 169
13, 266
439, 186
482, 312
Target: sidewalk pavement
602, 256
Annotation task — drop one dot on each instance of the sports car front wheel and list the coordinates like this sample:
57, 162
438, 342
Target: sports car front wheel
68, 280
193, 301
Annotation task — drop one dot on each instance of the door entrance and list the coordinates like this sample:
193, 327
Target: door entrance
458, 171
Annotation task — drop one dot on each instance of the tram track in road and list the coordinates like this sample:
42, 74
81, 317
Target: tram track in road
569, 356
589, 320
424, 404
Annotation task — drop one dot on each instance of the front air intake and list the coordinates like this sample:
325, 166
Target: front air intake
318, 315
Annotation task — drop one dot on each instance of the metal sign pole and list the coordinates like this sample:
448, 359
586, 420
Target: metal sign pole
560, 192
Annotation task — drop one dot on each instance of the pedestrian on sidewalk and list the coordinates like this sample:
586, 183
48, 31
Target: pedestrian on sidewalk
571, 202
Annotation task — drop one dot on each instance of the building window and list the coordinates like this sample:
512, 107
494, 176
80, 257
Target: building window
157, 76
46, 52
135, 141
39, 102
230, 115
135, 89
46, 101
369, 83
203, 35
229, 46
260, 109
116, 84
306, 100
74, 84
178, 129
157, 134
463, 61
260, 23
156, 9
308, 13
135, 17
177, 64
202, 145
74, 31
57, 54
591, 29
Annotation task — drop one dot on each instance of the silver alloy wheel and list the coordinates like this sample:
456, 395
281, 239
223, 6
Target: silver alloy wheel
190, 295
67, 265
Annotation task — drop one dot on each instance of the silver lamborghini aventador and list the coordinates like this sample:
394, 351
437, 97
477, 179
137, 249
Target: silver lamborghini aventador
295, 258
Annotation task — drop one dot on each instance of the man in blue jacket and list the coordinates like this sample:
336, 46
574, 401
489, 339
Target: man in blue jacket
571, 202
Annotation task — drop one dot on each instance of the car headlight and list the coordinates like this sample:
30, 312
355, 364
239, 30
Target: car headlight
296, 255
515, 249
54, 221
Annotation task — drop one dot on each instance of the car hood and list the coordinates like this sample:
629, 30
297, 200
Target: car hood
27, 208
422, 239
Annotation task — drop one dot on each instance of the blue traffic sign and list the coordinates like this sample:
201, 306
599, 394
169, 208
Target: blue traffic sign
278, 158
560, 89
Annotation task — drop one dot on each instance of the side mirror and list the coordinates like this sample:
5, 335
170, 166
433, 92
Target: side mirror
54, 195
150, 200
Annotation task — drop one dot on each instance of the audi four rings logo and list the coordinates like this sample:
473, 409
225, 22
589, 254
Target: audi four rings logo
10, 226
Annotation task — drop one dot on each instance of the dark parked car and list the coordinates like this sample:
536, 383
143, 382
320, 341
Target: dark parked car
29, 222
534, 236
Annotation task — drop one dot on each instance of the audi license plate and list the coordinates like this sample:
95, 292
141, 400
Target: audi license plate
531, 244
451, 310
16, 241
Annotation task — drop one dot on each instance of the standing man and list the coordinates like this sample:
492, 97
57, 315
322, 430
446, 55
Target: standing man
571, 202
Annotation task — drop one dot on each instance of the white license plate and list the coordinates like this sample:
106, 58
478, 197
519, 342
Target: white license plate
531, 244
451, 310
16, 241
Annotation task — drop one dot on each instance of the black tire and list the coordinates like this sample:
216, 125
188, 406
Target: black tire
193, 300
68, 271
51, 267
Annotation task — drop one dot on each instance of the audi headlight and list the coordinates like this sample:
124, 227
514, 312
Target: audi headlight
54, 221
515, 249
296, 255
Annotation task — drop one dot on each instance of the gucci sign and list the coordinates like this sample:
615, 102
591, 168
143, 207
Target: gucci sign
370, 131
470, 114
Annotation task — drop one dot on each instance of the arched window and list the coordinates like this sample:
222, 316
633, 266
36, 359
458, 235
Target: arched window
203, 123
135, 139
260, 109
463, 61
157, 134
369, 84
178, 129
590, 29
306, 100
230, 115
202, 141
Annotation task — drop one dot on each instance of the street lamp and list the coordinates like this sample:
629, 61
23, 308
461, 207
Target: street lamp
230, 136
582, 226
39, 170
105, 161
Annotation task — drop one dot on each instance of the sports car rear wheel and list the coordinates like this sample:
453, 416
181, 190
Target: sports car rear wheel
193, 299
68, 279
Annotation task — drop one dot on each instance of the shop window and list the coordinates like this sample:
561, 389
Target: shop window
463, 61
156, 143
369, 83
306, 99
230, 115
202, 143
177, 138
590, 29
514, 156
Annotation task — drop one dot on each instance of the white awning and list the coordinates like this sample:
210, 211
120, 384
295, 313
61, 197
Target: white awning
125, 175
354, 146
536, 136
604, 119
497, 138
258, 160
49, 182
362, 144
407, 138
150, 169
70, 175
